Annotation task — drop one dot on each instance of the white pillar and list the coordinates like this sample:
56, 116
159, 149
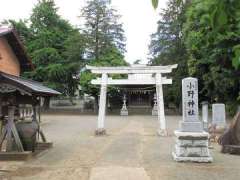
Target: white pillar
160, 106
102, 105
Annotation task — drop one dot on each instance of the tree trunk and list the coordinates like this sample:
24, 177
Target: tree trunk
97, 38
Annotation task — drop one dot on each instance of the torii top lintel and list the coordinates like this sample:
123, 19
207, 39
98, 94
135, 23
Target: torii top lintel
132, 69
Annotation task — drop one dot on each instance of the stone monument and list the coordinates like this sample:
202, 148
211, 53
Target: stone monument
191, 140
205, 115
154, 109
124, 111
218, 115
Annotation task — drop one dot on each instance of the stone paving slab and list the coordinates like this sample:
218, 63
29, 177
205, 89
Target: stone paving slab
130, 150
41, 173
125, 149
118, 173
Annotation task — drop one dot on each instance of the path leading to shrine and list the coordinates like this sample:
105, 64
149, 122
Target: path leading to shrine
131, 151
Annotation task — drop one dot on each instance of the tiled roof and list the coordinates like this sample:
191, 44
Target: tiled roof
17, 47
32, 87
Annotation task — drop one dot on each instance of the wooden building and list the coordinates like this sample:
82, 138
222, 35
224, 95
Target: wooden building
19, 97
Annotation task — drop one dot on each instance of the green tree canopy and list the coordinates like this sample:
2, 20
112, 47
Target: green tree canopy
102, 27
56, 48
105, 40
212, 34
167, 46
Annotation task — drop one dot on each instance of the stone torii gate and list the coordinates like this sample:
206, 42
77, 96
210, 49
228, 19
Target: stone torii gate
152, 75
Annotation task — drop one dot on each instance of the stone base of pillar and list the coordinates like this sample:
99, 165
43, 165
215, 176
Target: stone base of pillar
100, 132
124, 112
191, 147
154, 112
162, 132
192, 159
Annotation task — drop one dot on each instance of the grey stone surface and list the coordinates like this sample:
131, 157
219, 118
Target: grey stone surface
191, 126
218, 114
205, 115
154, 111
76, 151
198, 143
124, 112
190, 99
190, 121
191, 146
192, 159
190, 151
184, 142
191, 134
118, 173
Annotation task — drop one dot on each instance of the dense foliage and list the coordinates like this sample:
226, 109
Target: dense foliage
59, 51
55, 47
102, 27
212, 34
52, 46
105, 41
202, 36
167, 47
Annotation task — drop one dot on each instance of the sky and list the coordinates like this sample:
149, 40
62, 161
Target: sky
139, 20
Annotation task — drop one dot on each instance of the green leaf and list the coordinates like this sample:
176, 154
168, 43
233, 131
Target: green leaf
236, 58
219, 17
155, 3
236, 62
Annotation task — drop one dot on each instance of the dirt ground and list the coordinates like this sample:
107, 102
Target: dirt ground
130, 151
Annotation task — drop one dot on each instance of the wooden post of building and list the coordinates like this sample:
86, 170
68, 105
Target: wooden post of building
11, 130
34, 115
1, 116
2, 131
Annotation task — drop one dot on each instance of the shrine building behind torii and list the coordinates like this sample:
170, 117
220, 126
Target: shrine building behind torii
150, 75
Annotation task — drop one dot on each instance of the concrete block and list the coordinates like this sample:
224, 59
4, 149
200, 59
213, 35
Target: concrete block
196, 143
192, 159
191, 126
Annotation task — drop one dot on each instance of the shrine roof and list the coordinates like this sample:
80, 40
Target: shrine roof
17, 47
30, 86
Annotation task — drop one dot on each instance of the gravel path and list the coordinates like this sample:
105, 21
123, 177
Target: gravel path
131, 150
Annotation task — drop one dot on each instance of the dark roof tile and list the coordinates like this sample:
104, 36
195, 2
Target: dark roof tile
33, 87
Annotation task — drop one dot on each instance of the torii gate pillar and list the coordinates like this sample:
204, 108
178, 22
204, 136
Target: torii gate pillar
102, 106
160, 106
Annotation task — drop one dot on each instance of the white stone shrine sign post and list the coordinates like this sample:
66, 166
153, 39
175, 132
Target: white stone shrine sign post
152, 75
191, 139
219, 115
